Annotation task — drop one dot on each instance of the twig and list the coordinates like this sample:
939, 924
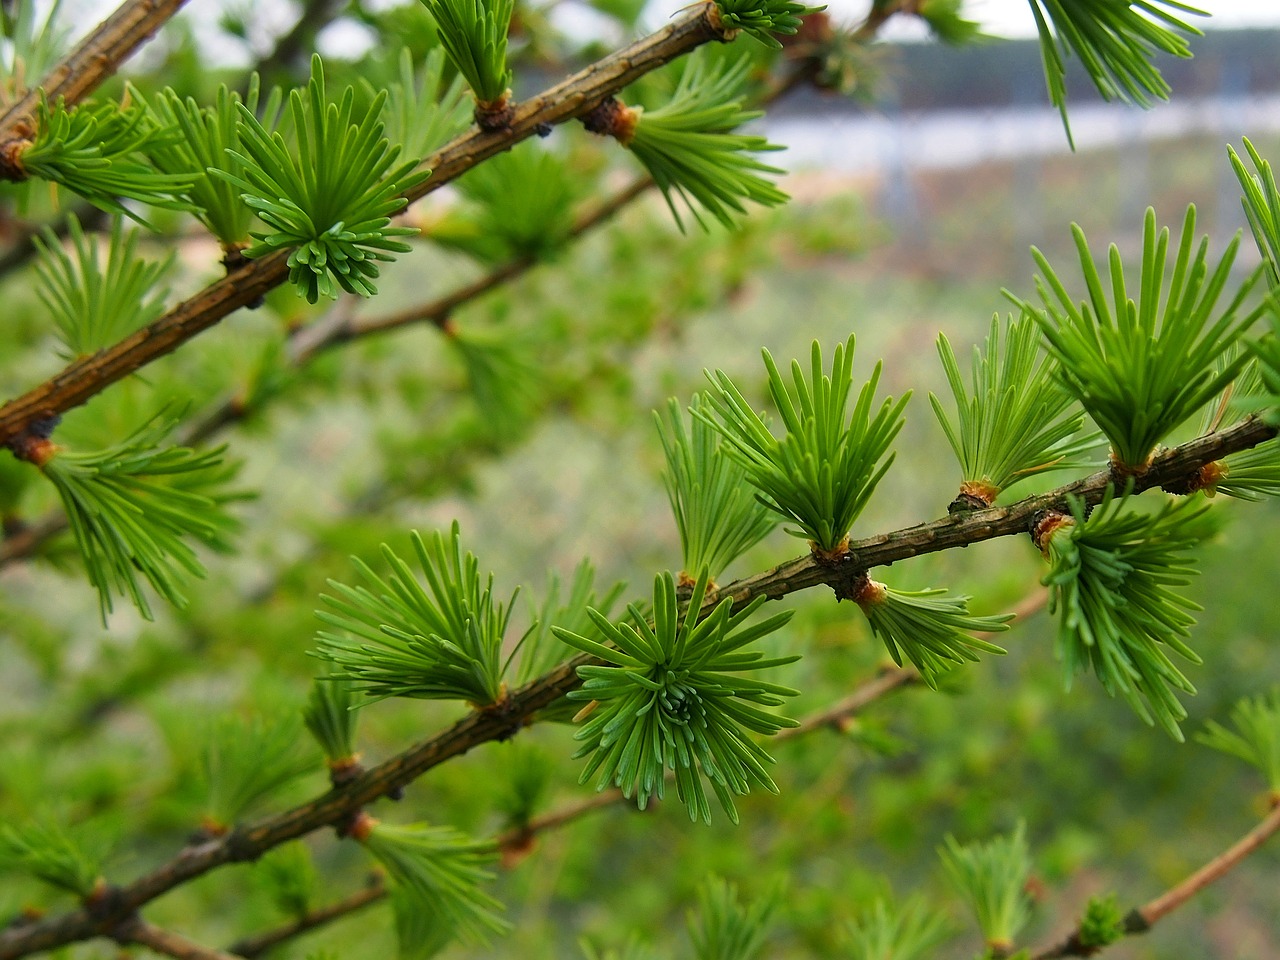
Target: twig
1144, 918
254, 946
520, 837
251, 841
89, 376
97, 57
137, 930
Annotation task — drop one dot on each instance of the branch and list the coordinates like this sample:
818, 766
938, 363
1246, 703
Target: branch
137, 930
335, 807
89, 376
251, 947
98, 57
1142, 919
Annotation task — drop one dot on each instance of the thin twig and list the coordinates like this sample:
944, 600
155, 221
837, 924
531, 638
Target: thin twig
1144, 918
251, 841
254, 946
89, 376
520, 838
136, 930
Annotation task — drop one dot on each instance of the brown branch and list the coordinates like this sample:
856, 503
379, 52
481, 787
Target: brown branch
1144, 918
89, 376
258, 944
251, 841
97, 57
136, 930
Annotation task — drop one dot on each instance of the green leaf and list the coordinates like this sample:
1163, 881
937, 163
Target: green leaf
689, 147
441, 871
716, 512
507, 383
947, 22
45, 850
32, 49
289, 875
823, 473
332, 721
886, 931
676, 700
722, 928
1255, 739
1116, 41
100, 150
992, 877
1016, 420
422, 112
422, 929
519, 204
245, 759
931, 629
761, 19
1111, 582
210, 141
95, 304
527, 775
474, 36
331, 203
1102, 923
134, 508
1261, 202
540, 650
441, 642
1141, 367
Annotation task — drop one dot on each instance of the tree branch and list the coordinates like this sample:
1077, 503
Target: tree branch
89, 376
136, 930
335, 807
254, 946
1142, 919
97, 57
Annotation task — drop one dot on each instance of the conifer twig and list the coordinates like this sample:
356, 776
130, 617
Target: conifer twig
97, 57
1143, 918
258, 944
336, 806
89, 376
139, 931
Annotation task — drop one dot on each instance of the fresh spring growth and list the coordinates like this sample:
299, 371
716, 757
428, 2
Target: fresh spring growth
1111, 581
1143, 367
422, 112
440, 871
506, 381
422, 931
520, 204
329, 717
331, 203
540, 650
245, 759
44, 849
99, 151
822, 474
1116, 43
761, 19
1255, 739
527, 774
932, 629
1262, 206
689, 147
1016, 420
474, 36
716, 511
724, 928
992, 877
92, 303
401, 639
886, 931
675, 699
210, 141
31, 49
135, 507
288, 873
947, 22
1102, 923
